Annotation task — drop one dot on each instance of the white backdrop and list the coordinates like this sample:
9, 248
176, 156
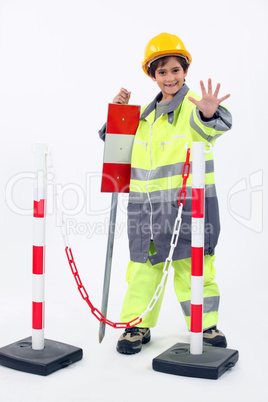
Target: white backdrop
61, 62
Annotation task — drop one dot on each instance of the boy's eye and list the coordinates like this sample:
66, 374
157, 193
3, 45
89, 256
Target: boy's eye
162, 72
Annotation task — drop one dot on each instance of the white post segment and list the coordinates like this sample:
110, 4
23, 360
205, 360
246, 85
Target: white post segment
197, 258
39, 234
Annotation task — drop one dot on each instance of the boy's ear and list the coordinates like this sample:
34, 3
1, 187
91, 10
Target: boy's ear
186, 72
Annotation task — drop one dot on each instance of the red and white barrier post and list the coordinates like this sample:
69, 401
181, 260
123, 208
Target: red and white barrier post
35, 354
197, 279
194, 360
39, 244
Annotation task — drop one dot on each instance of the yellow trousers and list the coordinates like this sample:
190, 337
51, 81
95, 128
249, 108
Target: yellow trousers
143, 279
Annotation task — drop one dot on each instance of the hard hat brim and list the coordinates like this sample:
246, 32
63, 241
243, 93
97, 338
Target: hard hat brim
158, 55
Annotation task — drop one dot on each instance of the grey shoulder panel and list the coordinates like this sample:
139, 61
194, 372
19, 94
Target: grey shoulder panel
102, 132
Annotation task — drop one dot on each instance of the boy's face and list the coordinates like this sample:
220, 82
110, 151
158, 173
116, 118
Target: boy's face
170, 78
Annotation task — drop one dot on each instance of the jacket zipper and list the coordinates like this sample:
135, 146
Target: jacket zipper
149, 174
148, 177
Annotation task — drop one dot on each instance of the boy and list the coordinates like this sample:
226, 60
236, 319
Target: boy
174, 118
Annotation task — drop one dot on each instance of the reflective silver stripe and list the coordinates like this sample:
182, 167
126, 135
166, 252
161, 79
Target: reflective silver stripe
221, 123
166, 171
167, 195
158, 173
209, 166
139, 174
210, 304
199, 130
179, 136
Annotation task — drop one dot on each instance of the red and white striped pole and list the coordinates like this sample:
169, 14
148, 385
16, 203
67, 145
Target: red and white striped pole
39, 231
197, 279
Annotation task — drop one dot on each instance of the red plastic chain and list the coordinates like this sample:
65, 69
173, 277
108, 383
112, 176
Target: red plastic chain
81, 288
85, 297
185, 175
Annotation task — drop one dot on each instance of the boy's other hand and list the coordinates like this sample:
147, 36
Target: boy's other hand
209, 102
122, 97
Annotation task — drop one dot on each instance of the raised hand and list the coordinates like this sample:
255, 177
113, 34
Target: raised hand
122, 97
209, 102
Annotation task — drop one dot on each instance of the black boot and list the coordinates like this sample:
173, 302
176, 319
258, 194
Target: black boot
131, 340
214, 337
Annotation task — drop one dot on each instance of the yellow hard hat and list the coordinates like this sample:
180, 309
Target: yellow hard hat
164, 44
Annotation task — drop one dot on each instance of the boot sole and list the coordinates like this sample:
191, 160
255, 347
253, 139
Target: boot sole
219, 344
129, 348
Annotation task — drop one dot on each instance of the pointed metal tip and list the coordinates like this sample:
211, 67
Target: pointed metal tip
101, 332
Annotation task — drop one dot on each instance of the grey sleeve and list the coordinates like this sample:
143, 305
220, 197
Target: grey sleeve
102, 132
221, 121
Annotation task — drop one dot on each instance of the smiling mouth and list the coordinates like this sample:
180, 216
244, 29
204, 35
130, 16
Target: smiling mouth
171, 85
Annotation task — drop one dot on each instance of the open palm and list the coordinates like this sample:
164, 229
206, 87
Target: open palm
209, 102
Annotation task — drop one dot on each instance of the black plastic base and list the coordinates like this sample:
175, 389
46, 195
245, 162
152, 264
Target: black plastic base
211, 364
54, 356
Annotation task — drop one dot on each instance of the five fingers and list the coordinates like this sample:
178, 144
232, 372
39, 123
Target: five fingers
209, 92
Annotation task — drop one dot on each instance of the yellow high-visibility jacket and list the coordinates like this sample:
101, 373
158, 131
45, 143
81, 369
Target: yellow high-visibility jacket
158, 155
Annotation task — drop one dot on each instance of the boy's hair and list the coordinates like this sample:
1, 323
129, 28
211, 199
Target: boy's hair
162, 61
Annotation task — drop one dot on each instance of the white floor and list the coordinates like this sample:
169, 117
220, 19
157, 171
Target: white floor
103, 373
